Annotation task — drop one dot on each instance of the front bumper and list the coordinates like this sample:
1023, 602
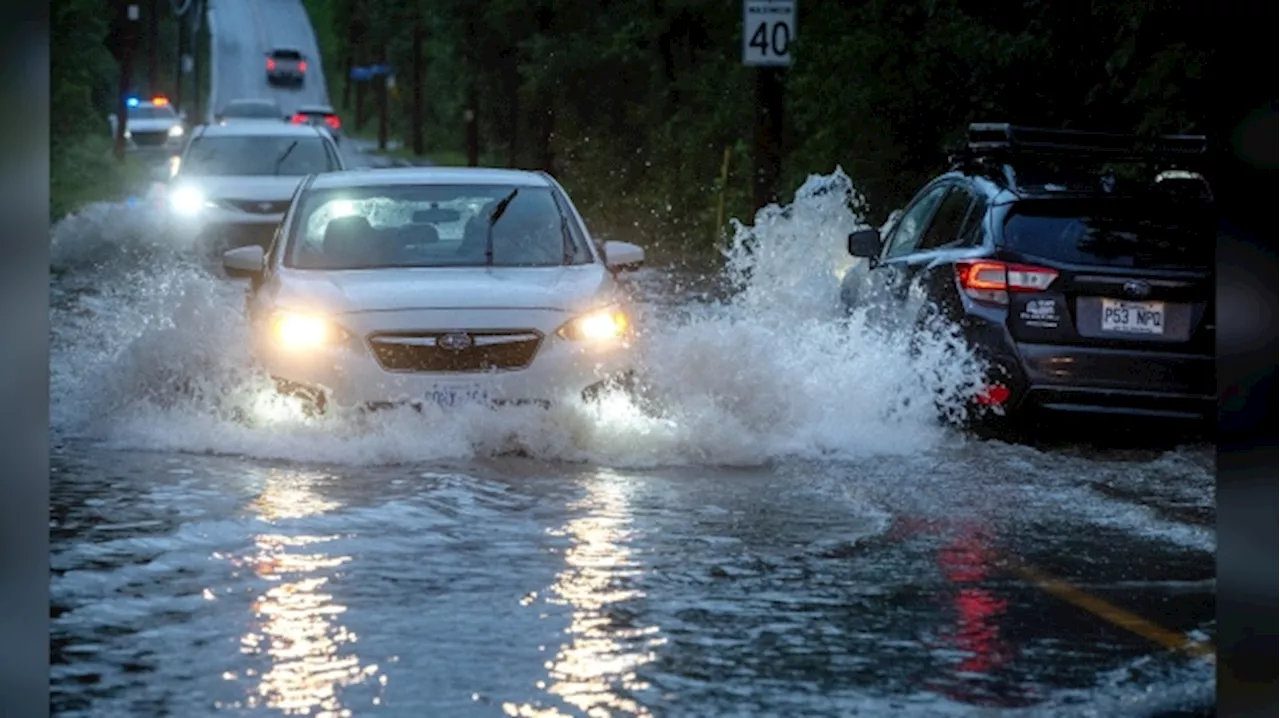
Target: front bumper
350, 376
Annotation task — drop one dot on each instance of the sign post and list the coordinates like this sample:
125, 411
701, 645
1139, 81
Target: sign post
768, 30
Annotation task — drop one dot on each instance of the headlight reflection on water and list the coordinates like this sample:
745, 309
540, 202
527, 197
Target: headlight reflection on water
295, 621
598, 667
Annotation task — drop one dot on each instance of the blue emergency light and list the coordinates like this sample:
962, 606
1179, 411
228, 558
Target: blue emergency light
132, 101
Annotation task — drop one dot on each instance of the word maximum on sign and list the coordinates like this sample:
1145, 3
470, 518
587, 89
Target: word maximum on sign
768, 27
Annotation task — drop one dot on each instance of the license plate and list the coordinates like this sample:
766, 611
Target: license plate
447, 397
1132, 317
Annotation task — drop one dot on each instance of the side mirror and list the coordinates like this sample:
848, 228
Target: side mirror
865, 243
244, 261
623, 256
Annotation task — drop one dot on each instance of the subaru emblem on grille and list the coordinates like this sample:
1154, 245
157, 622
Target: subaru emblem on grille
1137, 289
455, 341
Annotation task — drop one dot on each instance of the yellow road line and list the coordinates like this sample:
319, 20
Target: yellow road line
1112, 614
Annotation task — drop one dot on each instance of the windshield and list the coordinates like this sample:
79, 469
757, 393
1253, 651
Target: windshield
251, 109
1116, 233
257, 155
431, 226
152, 113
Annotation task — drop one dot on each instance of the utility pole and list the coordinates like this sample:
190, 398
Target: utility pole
153, 47
381, 81
129, 16
197, 100
416, 79
767, 32
182, 60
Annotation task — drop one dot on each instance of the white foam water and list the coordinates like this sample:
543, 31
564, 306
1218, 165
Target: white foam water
150, 352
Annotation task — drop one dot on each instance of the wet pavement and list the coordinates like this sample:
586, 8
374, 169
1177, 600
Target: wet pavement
187, 583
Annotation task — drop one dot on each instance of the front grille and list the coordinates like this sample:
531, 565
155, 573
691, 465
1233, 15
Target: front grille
149, 139
486, 350
254, 206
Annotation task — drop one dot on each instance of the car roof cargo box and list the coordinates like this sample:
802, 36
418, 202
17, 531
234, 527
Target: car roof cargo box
1038, 159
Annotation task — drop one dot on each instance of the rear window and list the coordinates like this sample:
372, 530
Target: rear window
287, 55
252, 109
1117, 233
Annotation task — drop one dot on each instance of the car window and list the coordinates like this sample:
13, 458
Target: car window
944, 230
251, 109
971, 230
257, 155
1113, 233
908, 230
152, 113
431, 226
287, 55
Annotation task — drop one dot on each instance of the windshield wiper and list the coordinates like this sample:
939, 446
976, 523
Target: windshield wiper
493, 219
284, 155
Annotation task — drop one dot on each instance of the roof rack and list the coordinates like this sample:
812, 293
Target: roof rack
997, 138
997, 149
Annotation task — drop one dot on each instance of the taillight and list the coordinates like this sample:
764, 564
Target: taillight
271, 64
989, 280
333, 121
302, 66
298, 119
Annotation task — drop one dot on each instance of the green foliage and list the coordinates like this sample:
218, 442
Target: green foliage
84, 89
633, 103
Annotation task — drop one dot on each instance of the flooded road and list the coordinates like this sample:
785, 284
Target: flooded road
796, 536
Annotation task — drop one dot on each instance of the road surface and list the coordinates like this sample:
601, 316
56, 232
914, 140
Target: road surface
242, 32
801, 539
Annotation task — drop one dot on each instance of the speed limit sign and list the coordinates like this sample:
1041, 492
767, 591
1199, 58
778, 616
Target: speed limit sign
768, 29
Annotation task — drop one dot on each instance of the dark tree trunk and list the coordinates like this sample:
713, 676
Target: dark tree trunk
416, 119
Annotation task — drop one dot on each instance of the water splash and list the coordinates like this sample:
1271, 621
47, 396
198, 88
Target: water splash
150, 351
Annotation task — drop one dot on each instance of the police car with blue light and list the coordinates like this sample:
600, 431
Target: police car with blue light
152, 125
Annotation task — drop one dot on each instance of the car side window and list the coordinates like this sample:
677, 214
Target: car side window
944, 230
971, 228
909, 229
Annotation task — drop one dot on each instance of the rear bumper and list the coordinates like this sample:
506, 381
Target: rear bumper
1086, 380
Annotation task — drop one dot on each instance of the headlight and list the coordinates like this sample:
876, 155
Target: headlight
600, 325
302, 331
175, 131
128, 134
187, 200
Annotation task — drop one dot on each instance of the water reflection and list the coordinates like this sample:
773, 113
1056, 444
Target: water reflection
977, 609
296, 620
597, 670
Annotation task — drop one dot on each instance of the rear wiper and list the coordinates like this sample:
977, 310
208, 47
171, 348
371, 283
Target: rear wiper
283, 156
493, 219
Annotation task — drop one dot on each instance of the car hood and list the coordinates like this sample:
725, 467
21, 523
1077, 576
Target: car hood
262, 188
567, 289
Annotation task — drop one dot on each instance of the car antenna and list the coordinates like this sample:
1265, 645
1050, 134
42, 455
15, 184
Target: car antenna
284, 155
494, 216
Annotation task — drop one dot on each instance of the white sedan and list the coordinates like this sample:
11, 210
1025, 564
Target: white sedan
437, 285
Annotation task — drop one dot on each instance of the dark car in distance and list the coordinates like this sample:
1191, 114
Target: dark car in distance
1079, 266
286, 66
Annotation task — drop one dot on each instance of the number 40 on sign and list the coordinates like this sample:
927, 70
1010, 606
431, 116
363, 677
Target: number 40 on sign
768, 27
